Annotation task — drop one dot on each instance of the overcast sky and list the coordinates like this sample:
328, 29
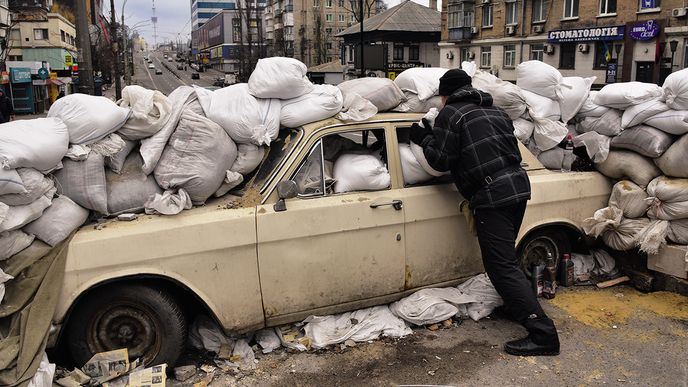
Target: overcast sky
173, 17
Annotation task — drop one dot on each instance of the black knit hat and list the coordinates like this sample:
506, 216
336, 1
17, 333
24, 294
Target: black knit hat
452, 80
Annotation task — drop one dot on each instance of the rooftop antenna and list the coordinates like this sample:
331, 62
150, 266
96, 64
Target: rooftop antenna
154, 19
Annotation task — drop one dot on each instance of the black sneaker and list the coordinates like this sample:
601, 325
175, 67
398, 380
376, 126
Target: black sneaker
527, 347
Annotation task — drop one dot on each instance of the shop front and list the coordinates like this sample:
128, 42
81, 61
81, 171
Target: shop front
21, 90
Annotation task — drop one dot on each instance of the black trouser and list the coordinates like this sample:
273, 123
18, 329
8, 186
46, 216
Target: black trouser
497, 230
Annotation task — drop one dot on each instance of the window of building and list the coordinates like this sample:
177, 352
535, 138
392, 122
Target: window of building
40, 33
316, 3
540, 8
329, 17
649, 5
341, 17
465, 54
328, 46
487, 15
352, 18
567, 55
571, 8
328, 30
398, 53
328, 3
15, 57
603, 54
460, 14
62, 36
510, 56
15, 35
414, 53
486, 57
607, 7
340, 3
511, 12
340, 30
236, 29
537, 51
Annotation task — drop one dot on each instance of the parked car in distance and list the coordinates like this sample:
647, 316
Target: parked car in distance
158, 71
195, 75
151, 66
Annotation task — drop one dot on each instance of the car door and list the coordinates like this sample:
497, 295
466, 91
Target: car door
329, 248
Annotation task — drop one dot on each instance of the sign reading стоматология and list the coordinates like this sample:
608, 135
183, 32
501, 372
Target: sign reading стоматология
586, 34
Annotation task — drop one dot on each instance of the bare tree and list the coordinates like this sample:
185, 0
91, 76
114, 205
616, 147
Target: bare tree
370, 7
251, 46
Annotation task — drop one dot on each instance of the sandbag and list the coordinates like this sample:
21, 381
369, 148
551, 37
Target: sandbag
574, 93
169, 203
539, 78
630, 198
247, 120
356, 108
19, 216
643, 139
547, 133
360, 172
411, 169
150, 109
88, 118
668, 198
12, 242
35, 185
84, 182
542, 106
324, 101
523, 129
670, 121
431, 305
622, 164
381, 92
10, 182
678, 231
675, 90
596, 145
116, 161
653, 236
637, 114
58, 221
423, 81
617, 232
419, 155
231, 181
505, 95
673, 162
38, 143
413, 104
213, 154
590, 108
608, 124
129, 190
279, 77
623, 95
552, 158
249, 156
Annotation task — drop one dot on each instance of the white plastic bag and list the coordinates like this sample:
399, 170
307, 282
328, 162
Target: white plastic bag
542, 106
58, 221
381, 92
676, 90
630, 198
539, 78
44, 374
596, 145
12, 242
622, 164
150, 109
574, 93
673, 162
670, 121
88, 118
268, 340
38, 143
643, 139
130, 189
249, 156
637, 114
481, 289
423, 81
84, 182
35, 185
324, 101
609, 124
411, 169
360, 172
623, 95
279, 77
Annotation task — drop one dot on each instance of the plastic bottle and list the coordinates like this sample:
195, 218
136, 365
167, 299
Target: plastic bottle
568, 155
537, 279
549, 287
566, 270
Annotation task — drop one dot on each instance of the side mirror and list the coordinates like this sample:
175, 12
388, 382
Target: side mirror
285, 190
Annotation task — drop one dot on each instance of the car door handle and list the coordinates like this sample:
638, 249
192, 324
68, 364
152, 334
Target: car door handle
397, 204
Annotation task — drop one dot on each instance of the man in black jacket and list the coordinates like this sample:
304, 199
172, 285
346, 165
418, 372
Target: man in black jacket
474, 140
6, 109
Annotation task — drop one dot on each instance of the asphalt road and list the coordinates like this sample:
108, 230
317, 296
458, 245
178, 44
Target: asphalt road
170, 79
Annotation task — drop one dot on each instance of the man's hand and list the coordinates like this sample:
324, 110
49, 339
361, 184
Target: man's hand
420, 132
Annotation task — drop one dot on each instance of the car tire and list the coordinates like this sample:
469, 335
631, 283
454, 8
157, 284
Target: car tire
147, 321
534, 248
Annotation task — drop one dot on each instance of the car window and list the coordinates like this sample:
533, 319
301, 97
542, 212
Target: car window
344, 162
414, 167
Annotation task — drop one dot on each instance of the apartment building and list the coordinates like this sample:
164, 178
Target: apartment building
609, 39
202, 11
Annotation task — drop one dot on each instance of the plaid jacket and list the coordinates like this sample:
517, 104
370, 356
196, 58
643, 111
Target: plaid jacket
475, 141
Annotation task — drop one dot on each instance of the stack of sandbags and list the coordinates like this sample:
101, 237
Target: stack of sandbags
420, 86
382, 93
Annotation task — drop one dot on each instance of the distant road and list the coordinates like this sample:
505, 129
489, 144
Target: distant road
170, 79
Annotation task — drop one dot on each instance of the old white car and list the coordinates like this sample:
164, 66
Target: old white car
286, 246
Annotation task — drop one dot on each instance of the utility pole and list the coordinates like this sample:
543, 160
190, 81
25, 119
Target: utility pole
84, 40
125, 52
113, 34
362, 55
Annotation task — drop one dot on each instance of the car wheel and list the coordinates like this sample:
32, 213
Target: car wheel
534, 249
146, 321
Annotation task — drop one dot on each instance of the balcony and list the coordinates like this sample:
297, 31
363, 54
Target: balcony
458, 34
289, 8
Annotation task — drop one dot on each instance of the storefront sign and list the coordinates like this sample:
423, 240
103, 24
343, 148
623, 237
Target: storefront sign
647, 4
403, 66
43, 73
611, 73
68, 60
586, 34
20, 75
646, 30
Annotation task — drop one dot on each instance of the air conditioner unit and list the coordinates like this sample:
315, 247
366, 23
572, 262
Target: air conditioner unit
510, 30
584, 47
678, 12
538, 29
549, 49
474, 30
471, 55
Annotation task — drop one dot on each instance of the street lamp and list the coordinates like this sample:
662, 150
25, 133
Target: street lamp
673, 45
127, 76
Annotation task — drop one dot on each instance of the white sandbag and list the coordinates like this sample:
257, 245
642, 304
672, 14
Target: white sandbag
169, 203
232, 180
670, 121
678, 231
360, 172
35, 185
596, 145
623, 95
356, 108
19, 216
608, 124
279, 77
38, 143
10, 182
523, 129
116, 161
413, 104
84, 182
487, 299
469, 67
542, 106
630, 198
552, 158
381, 92
423, 81
419, 155
637, 114
673, 162
78, 152
245, 118
88, 118
505, 95
150, 109
675, 90
129, 190
668, 198
152, 147
108, 146
430, 306
643, 139
539, 78
547, 133
590, 108
602, 220
4, 277
574, 93
616, 231
44, 374
622, 164
58, 221
249, 156
323, 102
359, 326
653, 236
213, 154
12, 242
411, 169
